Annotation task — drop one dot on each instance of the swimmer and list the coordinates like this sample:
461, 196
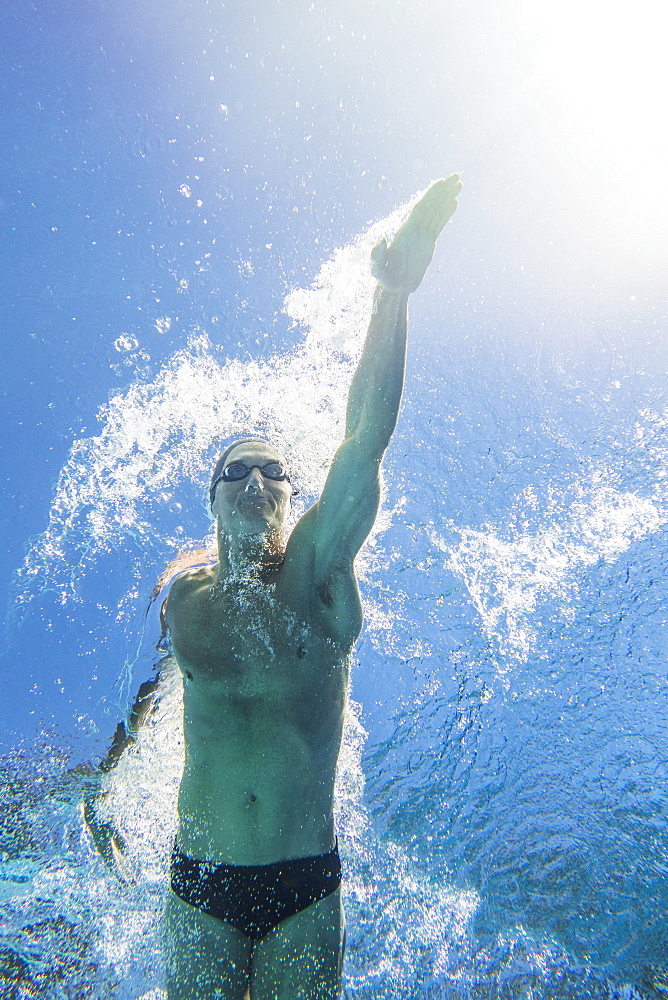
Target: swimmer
263, 639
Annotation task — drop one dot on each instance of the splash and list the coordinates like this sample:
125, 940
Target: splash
160, 438
507, 578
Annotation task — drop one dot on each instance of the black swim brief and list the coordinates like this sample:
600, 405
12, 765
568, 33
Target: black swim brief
255, 898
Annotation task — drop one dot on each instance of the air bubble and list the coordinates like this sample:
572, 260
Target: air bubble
126, 342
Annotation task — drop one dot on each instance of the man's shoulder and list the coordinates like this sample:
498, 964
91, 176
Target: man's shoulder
188, 584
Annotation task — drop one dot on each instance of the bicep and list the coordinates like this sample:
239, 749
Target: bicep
343, 517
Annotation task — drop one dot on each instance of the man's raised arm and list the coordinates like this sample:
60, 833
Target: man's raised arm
375, 392
349, 503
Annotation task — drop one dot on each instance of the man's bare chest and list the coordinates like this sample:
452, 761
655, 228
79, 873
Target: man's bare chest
240, 627
253, 643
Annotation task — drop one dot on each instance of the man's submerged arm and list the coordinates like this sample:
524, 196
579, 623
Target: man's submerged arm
349, 503
107, 839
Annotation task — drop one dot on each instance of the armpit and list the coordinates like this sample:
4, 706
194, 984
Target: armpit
324, 592
339, 574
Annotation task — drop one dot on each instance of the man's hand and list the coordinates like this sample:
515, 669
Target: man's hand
401, 266
107, 840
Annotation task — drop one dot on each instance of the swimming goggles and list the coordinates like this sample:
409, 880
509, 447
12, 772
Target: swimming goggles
236, 471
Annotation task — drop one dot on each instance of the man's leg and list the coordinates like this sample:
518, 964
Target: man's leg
204, 957
302, 958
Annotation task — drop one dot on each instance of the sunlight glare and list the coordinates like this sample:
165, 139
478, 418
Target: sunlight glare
601, 69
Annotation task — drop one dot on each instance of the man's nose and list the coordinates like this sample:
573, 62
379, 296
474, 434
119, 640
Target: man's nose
254, 480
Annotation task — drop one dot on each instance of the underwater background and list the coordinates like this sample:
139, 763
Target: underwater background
188, 196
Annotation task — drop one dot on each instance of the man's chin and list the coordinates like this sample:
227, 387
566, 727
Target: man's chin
251, 519
254, 521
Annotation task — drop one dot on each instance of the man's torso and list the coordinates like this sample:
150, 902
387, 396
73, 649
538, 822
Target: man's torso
265, 670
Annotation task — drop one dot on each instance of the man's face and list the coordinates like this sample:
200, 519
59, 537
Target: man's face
254, 504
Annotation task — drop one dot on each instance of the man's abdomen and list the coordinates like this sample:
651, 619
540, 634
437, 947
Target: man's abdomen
257, 788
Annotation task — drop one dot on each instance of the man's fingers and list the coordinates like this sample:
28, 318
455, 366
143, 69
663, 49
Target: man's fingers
442, 209
446, 188
123, 868
431, 204
443, 216
433, 209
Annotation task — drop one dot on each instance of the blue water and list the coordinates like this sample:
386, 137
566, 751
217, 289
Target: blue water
175, 180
